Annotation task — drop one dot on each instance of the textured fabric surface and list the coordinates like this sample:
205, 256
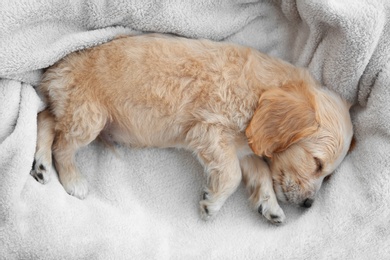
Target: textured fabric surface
143, 204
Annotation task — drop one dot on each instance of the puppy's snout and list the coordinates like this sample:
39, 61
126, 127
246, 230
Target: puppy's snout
307, 203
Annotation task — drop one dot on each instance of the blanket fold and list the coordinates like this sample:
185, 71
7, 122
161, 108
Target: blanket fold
143, 204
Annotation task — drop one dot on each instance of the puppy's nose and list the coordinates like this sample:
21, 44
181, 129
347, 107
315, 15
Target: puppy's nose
307, 203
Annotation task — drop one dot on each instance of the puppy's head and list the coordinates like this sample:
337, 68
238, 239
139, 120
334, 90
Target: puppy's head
305, 132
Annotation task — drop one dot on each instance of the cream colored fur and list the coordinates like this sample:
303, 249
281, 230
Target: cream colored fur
231, 105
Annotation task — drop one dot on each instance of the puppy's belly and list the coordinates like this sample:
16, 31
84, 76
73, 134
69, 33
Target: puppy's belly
147, 135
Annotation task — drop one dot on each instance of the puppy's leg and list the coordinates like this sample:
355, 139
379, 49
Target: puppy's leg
223, 178
42, 161
222, 169
74, 131
258, 181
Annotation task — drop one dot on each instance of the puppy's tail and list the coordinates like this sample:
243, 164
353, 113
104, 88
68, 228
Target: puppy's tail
43, 154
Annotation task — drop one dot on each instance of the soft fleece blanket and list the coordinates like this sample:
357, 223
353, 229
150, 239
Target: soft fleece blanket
143, 204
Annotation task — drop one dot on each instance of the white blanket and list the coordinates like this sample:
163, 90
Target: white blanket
143, 204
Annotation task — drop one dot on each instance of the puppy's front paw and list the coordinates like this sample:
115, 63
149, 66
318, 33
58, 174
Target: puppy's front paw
208, 209
40, 171
204, 211
272, 211
77, 187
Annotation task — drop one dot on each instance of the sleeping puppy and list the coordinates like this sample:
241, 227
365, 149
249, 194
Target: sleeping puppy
232, 106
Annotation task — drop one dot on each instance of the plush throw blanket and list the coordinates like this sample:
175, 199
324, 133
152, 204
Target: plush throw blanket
143, 204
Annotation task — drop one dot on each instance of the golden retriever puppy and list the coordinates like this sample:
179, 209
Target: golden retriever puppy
232, 106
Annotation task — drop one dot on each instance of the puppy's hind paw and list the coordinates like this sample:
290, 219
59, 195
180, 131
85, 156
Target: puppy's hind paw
273, 214
40, 172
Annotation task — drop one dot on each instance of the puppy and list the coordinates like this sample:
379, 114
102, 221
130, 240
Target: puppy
232, 106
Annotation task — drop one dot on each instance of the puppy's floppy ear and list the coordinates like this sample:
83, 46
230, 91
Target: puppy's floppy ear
284, 116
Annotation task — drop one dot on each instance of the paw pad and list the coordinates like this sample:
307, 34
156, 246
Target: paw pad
39, 172
274, 214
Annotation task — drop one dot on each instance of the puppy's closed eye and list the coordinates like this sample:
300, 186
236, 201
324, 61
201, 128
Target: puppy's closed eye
327, 178
319, 165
